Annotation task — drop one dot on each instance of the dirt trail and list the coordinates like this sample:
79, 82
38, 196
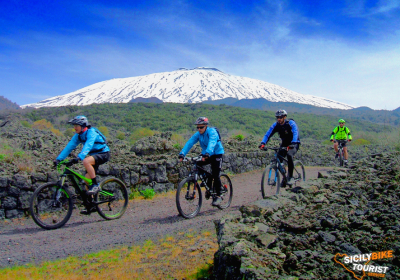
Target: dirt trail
22, 241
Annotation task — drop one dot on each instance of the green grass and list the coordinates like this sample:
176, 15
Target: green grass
171, 257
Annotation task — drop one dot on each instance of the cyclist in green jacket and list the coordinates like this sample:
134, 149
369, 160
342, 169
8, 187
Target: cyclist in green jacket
340, 134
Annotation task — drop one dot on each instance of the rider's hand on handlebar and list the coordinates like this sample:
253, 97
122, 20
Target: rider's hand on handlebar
56, 162
181, 157
74, 160
349, 140
261, 146
204, 157
290, 147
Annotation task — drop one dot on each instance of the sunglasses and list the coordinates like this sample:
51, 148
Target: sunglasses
341, 123
281, 117
200, 127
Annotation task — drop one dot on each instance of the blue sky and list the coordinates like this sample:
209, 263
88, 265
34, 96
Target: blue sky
348, 51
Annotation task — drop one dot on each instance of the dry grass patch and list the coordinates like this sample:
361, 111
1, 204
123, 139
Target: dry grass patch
189, 255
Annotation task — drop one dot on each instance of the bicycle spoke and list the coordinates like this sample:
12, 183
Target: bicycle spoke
188, 198
51, 207
226, 191
112, 199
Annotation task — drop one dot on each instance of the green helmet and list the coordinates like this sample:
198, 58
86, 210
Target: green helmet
342, 121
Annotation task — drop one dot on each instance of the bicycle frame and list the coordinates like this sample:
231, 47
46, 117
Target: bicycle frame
74, 178
197, 174
278, 160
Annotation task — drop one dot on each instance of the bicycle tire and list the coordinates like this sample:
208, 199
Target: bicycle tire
227, 191
47, 211
299, 172
114, 197
270, 182
187, 202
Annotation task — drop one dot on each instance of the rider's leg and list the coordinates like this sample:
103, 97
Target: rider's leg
345, 153
290, 155
216, 166
88, 163
335, 146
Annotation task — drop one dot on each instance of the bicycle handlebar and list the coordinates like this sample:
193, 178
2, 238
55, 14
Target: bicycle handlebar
198, 158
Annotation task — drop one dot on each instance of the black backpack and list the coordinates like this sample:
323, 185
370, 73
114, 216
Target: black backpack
219, 135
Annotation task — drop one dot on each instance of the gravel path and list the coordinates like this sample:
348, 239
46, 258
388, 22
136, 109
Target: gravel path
22, 241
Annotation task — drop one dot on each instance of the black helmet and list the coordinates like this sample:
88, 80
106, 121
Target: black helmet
280, 113
201, 120
79, 120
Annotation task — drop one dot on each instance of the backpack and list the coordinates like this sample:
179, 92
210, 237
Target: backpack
219, 135
99, 133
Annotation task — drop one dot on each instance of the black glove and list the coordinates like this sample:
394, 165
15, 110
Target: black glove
291, 146
206, 156
181, 156
74, 160
56, 162
261, 146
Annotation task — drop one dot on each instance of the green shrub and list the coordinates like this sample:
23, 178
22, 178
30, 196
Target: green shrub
2, 156
69, 132
104, 130
238, 137
177, 146
140, 133
134, 194
148, 193
26, 124
360, 142
120, 135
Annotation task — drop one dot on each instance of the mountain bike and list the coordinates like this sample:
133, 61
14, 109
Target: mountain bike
188, 194
270, 181
52, 203
340, 159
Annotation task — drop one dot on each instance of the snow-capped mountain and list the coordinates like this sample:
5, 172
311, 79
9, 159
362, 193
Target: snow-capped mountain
184, 86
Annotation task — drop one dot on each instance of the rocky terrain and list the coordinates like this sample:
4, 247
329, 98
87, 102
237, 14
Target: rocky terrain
151, 162
297, 235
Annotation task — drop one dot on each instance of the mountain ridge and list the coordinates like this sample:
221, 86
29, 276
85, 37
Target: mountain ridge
184, 86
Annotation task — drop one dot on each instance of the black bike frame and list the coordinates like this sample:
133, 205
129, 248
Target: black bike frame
198, 173
277, 160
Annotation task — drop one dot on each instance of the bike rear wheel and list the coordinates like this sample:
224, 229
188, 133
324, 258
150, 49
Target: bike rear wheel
226, 191
270, 182
51, 206
299, 173
188, 198
112, 199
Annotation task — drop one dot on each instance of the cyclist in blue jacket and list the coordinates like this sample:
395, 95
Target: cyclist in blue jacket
94, 152
212, 151
289, 133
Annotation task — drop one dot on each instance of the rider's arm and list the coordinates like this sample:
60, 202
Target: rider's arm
348, 133
212, 141
270, 132
295, 132
72, 144
91, 136
189, 144
333, 133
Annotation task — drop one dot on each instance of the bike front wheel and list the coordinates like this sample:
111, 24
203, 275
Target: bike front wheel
51, 206
226, 191
299, 173
188, 198
112, 199
270, 182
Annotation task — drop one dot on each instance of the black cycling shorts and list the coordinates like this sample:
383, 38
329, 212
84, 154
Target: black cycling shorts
344, 142
100, 159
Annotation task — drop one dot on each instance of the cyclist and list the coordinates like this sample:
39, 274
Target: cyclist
340, 133
289, 134
212, 151
94, 152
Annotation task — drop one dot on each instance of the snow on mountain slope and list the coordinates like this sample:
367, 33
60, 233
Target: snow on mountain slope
184, 86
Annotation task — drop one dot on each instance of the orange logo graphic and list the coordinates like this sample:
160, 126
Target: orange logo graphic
354, 274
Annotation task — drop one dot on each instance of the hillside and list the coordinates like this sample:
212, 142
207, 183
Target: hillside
7, 104
179, 118
361, 113
183, 86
